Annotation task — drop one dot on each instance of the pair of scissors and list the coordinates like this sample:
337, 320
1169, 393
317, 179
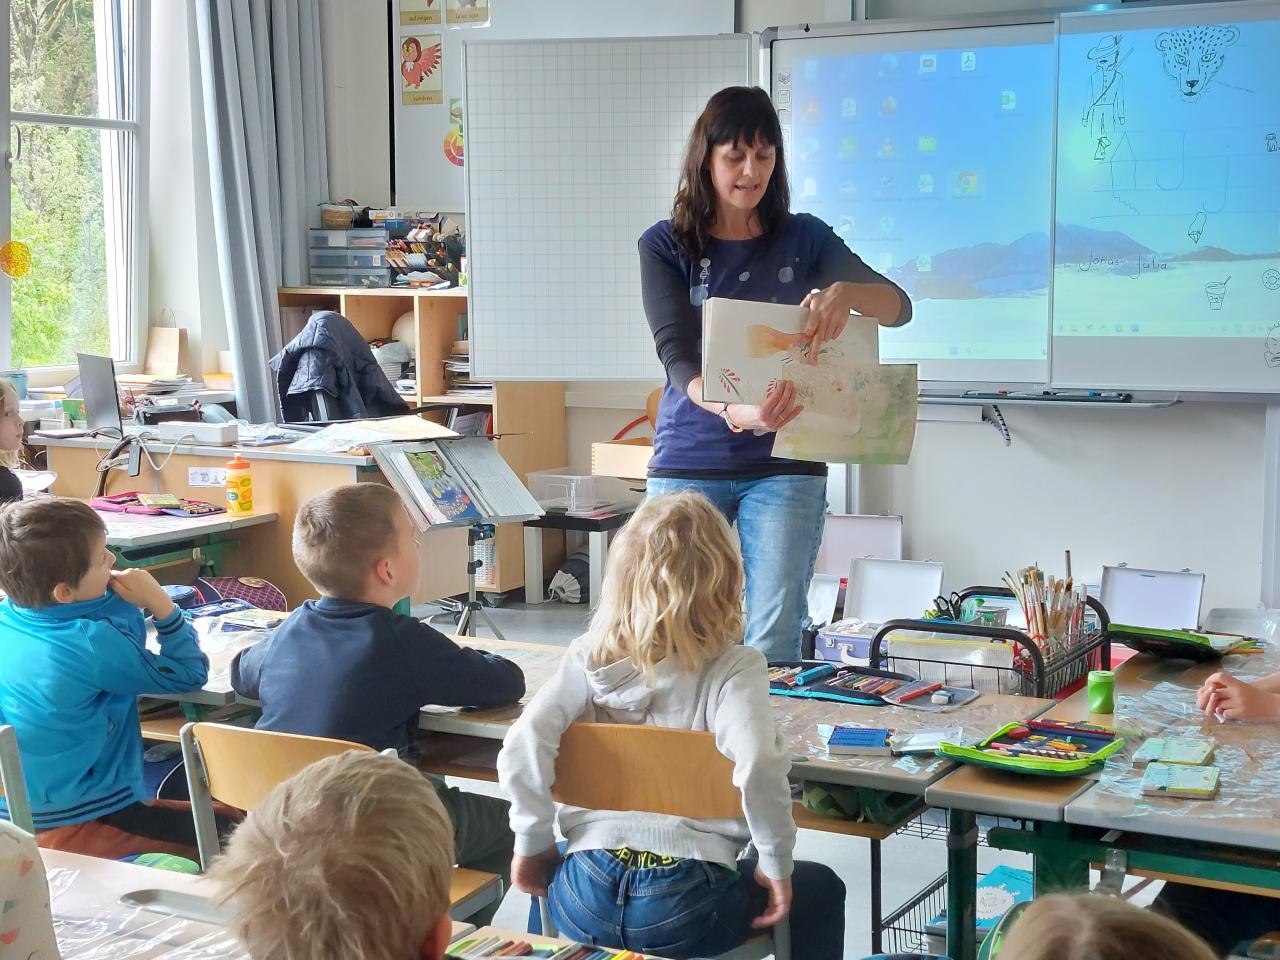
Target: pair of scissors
949, 607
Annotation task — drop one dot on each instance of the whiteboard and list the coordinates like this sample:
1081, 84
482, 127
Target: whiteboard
573, 151
1167, 247
425, 177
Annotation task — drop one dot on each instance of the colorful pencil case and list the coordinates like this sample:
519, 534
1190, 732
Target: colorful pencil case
130, 502
1045, 748
1176, 644
839, 683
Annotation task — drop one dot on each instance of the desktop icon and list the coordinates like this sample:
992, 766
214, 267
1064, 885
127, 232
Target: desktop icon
782, 96
886, 151
812, 110
1008, 100
967, 183
924, 264
887, 224
968, 61
888, 106
888, 64
809, 148
847, 188
848, 107
810, 187
848, 148
927, 144
924, 183
928, 63
846, 227
885, 262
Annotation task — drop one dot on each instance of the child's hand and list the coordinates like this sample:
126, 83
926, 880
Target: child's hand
142, 590
531, 874
1230, 698
779, 900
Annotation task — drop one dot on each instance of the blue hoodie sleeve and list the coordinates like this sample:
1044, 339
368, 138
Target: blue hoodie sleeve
126, 666
246, 669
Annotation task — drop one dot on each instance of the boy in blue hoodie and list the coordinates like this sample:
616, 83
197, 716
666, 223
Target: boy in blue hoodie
73, 661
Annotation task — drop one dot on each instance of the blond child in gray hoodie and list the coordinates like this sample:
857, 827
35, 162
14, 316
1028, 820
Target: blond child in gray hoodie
665, 649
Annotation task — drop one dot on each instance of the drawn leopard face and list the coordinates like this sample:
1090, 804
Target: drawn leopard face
1194, 55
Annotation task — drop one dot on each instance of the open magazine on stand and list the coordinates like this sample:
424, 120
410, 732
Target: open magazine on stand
455, 482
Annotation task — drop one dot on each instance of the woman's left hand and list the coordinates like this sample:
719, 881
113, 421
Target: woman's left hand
828, 316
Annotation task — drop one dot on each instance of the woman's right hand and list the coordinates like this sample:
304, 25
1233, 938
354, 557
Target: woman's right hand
780, 407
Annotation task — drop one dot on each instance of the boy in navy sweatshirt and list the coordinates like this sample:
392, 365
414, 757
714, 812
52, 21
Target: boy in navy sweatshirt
347, 666
73, 661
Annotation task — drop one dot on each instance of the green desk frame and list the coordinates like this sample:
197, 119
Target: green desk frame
209, 550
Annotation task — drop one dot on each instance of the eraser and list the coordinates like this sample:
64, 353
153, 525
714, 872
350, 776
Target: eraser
942, 698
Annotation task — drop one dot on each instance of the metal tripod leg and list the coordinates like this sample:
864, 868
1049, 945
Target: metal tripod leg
473, 606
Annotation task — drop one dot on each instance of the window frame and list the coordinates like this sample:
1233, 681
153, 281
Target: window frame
132, 209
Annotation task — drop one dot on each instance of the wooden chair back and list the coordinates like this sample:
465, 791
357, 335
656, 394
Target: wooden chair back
620, 766
243, 765
13, 786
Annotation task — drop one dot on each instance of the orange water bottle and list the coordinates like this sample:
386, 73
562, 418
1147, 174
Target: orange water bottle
239, 486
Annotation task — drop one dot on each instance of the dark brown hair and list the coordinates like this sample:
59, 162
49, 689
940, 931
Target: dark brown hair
732, 115
338, 535
44, 543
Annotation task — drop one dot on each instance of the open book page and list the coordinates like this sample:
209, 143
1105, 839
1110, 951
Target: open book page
498, 490
420, 474
746, 345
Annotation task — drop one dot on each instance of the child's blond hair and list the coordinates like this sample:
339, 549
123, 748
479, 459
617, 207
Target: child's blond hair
1090, 927
9, 394
338, 535
673, 588
352, 857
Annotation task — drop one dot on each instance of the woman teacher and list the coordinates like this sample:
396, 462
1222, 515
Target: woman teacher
731, 234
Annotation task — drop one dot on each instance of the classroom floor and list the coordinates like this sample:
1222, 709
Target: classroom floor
909, 862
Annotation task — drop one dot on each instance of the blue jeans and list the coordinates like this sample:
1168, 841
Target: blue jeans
780, 527
691, 908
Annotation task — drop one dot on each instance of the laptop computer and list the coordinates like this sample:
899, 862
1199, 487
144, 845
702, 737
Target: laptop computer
101, 398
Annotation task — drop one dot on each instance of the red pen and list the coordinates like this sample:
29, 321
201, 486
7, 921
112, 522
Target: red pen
920, 692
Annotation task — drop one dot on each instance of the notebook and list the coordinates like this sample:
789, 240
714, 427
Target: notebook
1180, 780
1192, 751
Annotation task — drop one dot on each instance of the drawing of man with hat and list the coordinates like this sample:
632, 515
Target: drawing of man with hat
1105, 106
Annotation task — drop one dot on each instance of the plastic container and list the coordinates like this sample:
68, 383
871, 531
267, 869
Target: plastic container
336, 257
1102, 691
361, 277
366, 258
330, 277
558, 491
239, 486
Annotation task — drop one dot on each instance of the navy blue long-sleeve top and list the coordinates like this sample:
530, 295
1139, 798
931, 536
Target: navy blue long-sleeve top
360, 672
782, 267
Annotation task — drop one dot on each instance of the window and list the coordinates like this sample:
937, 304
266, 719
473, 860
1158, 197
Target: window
75, 194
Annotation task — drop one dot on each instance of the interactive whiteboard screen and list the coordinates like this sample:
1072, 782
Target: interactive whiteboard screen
1167, 244
931, 153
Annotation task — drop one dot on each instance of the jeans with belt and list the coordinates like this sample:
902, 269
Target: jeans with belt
690, 908
779, 523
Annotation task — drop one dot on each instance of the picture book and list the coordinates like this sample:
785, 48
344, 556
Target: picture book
1180, 780
856, 410
453, 482
859, 741
1192, 751
1183, 644
998, 892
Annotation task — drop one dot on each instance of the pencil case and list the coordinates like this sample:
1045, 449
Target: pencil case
1096, 744
847, 683
129, 503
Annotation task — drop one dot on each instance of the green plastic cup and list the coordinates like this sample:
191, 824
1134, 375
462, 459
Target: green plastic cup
1102, 691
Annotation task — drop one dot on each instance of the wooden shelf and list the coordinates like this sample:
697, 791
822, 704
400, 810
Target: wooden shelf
484, 401
453, 292
529, 414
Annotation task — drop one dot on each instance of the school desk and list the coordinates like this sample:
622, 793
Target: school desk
90, 920
283, 478
1072, 823
152, 542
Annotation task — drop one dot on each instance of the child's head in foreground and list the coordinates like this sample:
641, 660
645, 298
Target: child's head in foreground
356, 542
1091, 927
352, 857
53, 550
673, 588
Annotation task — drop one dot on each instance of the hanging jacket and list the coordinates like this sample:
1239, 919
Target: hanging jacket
331, 356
